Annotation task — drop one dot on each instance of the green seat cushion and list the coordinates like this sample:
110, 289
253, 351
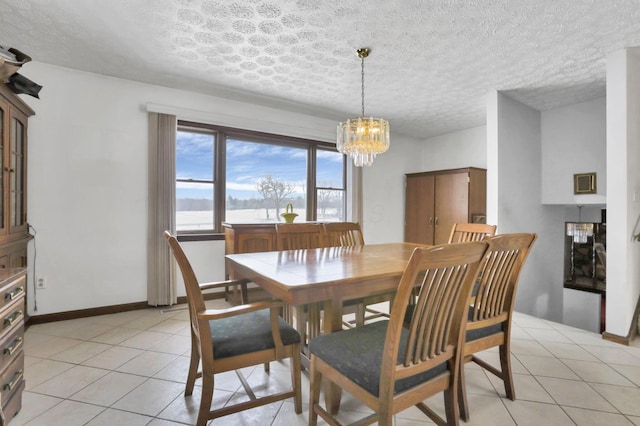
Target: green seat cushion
357, 354
246, 333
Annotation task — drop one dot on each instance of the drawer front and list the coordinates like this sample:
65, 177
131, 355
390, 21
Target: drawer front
12, 378
11, 344
13, 405
12, 292
11, 315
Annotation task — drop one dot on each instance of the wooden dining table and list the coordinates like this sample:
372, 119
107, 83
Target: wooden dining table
326, 276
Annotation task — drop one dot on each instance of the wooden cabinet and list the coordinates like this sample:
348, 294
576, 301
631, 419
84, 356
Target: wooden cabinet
436, 200
12, 309
14, 234
14, 237
248, 238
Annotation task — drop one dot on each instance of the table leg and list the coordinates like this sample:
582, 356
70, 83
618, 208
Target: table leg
332, 323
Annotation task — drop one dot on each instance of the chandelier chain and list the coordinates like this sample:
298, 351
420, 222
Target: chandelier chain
362, 77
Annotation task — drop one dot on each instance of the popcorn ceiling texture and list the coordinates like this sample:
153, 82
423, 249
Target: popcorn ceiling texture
431, 63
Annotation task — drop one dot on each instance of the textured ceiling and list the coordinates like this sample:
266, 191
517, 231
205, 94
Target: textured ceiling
431, 63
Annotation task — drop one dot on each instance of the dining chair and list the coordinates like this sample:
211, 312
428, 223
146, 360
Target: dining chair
234, 338
491, 308
462, 232
390, 368
296, 236
349, 234
343, 234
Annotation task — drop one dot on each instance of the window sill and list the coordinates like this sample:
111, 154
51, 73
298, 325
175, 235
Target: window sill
200, 237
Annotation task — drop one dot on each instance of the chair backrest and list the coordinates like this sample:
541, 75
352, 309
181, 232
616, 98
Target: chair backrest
494, 296
463, 232
444, 276
294, 236
194, 294
343, 234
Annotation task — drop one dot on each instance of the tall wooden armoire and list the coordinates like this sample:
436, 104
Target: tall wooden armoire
438, 199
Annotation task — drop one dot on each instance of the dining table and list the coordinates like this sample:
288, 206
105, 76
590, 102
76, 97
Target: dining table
325, 277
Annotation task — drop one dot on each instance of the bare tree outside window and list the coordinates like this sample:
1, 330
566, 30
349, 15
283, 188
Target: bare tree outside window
274, 191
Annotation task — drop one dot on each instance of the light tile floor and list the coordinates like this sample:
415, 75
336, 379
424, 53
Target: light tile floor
130, 368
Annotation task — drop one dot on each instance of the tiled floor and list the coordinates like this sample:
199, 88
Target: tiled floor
129, 369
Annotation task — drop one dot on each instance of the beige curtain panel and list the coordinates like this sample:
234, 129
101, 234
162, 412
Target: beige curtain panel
161, 270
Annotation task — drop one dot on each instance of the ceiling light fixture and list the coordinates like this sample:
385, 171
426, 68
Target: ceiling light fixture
363, 138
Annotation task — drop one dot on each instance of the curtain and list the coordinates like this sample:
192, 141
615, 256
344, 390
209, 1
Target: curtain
161, 269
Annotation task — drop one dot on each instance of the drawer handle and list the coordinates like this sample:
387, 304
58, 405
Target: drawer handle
16, 379
15, 345
12, 318
14, 293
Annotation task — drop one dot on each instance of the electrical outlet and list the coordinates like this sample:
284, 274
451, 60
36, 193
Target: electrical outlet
41, 283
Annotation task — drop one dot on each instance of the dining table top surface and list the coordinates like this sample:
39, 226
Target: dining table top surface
312, 275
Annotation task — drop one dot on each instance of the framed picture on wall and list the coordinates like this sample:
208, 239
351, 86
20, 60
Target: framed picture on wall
584, 183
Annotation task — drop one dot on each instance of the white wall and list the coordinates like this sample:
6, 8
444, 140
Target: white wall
87, 182
465, 148
623, 188
574, 141
384, 190
514, 202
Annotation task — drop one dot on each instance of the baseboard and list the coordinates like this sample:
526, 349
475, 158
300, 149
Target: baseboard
85, 313
104, 310
624, 340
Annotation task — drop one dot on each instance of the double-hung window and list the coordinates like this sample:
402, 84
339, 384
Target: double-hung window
233, 175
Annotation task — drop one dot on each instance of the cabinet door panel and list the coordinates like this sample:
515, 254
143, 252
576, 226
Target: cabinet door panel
452, 203
419, 213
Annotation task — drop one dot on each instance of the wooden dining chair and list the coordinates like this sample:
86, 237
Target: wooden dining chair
390, 368
294, 236
297, 236
234, 338
343, 234
463, 232
491, 308
349, 234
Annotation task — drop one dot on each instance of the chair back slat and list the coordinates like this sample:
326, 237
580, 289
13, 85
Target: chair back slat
343, 234
463, 232
295, 236
444, 276
499, 275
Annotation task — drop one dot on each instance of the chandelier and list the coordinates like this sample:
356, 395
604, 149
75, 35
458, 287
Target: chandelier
363, 138
579, 231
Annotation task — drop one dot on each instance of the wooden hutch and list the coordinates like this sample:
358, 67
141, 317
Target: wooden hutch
14, 238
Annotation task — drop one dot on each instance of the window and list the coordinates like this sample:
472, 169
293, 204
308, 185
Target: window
232, 175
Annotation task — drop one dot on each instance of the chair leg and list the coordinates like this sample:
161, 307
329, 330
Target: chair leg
314, 392
205, 400
295, 379
507, 377
360, 313
193, 367
451, 406
301, 323
462, 395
